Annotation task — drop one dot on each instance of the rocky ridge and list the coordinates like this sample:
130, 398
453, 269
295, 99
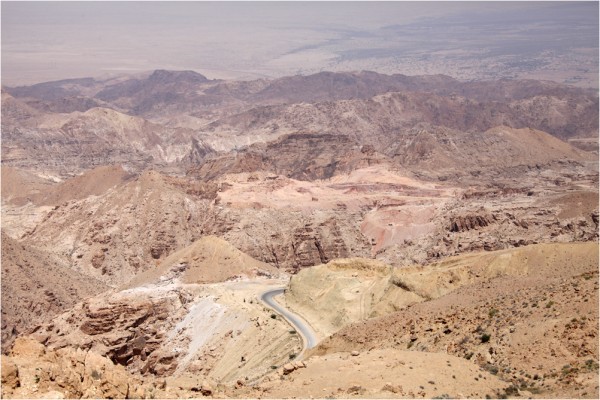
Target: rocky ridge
173, 119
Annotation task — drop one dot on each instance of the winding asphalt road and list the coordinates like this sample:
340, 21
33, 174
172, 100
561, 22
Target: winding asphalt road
302, 328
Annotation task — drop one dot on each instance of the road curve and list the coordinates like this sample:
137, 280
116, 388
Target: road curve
301, 327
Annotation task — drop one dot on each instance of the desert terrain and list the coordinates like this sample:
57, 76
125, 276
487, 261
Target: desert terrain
439, 237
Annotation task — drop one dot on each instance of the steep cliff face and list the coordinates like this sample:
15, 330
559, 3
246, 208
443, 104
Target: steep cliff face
292, 240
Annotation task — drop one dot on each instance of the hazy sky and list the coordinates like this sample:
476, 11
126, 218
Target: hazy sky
53, 40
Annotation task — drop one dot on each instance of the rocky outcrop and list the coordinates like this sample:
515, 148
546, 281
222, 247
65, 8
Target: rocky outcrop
468, 222
315, 244
126, 332
306, 156
294, 240
291, 367
32, 370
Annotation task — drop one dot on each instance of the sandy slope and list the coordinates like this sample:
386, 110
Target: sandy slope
537, 306
207, 260
382, 373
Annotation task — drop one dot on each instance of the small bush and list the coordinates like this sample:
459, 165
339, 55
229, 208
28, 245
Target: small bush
273, 316
292, 332
512, 390
591, 365
485, 337
292, 356
492, 369
492, 312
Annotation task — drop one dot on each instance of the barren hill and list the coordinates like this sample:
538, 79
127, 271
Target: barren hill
342, 291
37, 285
143, 96
427, 151
91, 183
497, 310
331, 86
14, 110
120, 233
207, 260
435, 151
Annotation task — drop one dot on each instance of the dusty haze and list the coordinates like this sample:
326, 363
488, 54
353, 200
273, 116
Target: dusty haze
557, 41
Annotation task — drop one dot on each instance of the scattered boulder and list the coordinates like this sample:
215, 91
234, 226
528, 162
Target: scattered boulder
206, 389
388, 387
288, 368
355, 389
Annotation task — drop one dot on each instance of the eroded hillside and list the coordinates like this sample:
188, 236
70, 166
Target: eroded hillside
528, 315
441, 237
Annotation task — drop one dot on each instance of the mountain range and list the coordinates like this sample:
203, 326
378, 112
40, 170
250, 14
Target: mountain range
409, 218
